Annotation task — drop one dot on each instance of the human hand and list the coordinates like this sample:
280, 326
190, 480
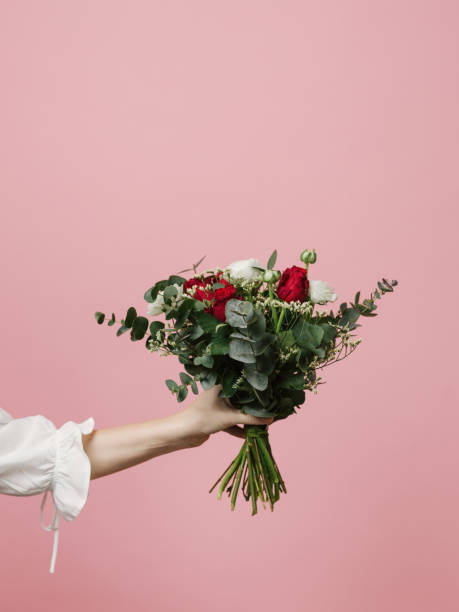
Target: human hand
208, 414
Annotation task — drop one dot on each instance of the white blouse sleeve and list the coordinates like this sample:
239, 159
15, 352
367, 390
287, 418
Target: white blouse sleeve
35, 457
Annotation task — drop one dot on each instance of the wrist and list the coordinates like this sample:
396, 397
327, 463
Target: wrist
185, 428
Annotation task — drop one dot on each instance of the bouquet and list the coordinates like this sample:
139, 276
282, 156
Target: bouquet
258, 332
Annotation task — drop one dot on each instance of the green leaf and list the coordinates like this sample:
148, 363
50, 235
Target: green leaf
241, 351
185, 378
228, 380
122, 330
169, 292
172, 385
257, 327
307, 333
205, 360
219, 346
258, 411
196, 332
198, 306
209, 380
152, 293
266, 362
357, 297
350, 316
286, 339
175, 280
139, 328
112, 320
182, 393
130, 316
292, 381
216, 286
194, 387
156, 326
207, 321
239, 313
329, 332
183, 312
258, 380
100, 317
241, 336
261, 345
272, 260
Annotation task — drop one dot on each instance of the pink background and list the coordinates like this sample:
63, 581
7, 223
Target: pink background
137, 137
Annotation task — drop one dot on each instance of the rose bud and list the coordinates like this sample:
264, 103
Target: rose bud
308, 256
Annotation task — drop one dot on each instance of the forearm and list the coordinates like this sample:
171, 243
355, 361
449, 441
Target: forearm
116, 448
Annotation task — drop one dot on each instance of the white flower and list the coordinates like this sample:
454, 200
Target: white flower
156, 307
245, 270
321, 292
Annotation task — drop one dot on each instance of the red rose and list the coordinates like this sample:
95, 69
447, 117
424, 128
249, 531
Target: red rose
293, 285
218, 297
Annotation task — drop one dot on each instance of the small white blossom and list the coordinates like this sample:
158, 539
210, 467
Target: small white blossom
246, 269
321, 292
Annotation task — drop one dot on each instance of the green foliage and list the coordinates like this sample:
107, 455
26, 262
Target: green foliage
100, 317
239, 313
139, 328
272, 260
130, 316
263, 372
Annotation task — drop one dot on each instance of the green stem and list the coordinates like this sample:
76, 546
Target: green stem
279, 322
253, 493
230, 472
273, 308
237, 483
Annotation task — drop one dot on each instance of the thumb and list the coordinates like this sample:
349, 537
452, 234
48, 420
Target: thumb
249, 419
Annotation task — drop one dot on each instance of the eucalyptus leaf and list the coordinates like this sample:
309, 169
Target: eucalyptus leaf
169, 292
261, 345
185, 378
152, 293
240, 350
130, 316
209, 380
100, 317
257, 327
175, 280
258, 380
266, 362
239, 313
139, 328
182, 393
172, 385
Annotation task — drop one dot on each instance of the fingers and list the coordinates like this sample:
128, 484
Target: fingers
234, 430
249, 419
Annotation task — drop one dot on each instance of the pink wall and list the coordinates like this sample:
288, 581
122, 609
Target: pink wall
137, 137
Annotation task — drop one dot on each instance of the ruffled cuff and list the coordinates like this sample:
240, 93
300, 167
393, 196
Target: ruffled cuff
72, 471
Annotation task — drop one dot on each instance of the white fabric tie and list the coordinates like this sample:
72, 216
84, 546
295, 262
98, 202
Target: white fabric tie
53, 526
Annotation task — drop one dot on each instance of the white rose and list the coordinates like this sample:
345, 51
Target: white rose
321, 292
156, 307
244, 269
